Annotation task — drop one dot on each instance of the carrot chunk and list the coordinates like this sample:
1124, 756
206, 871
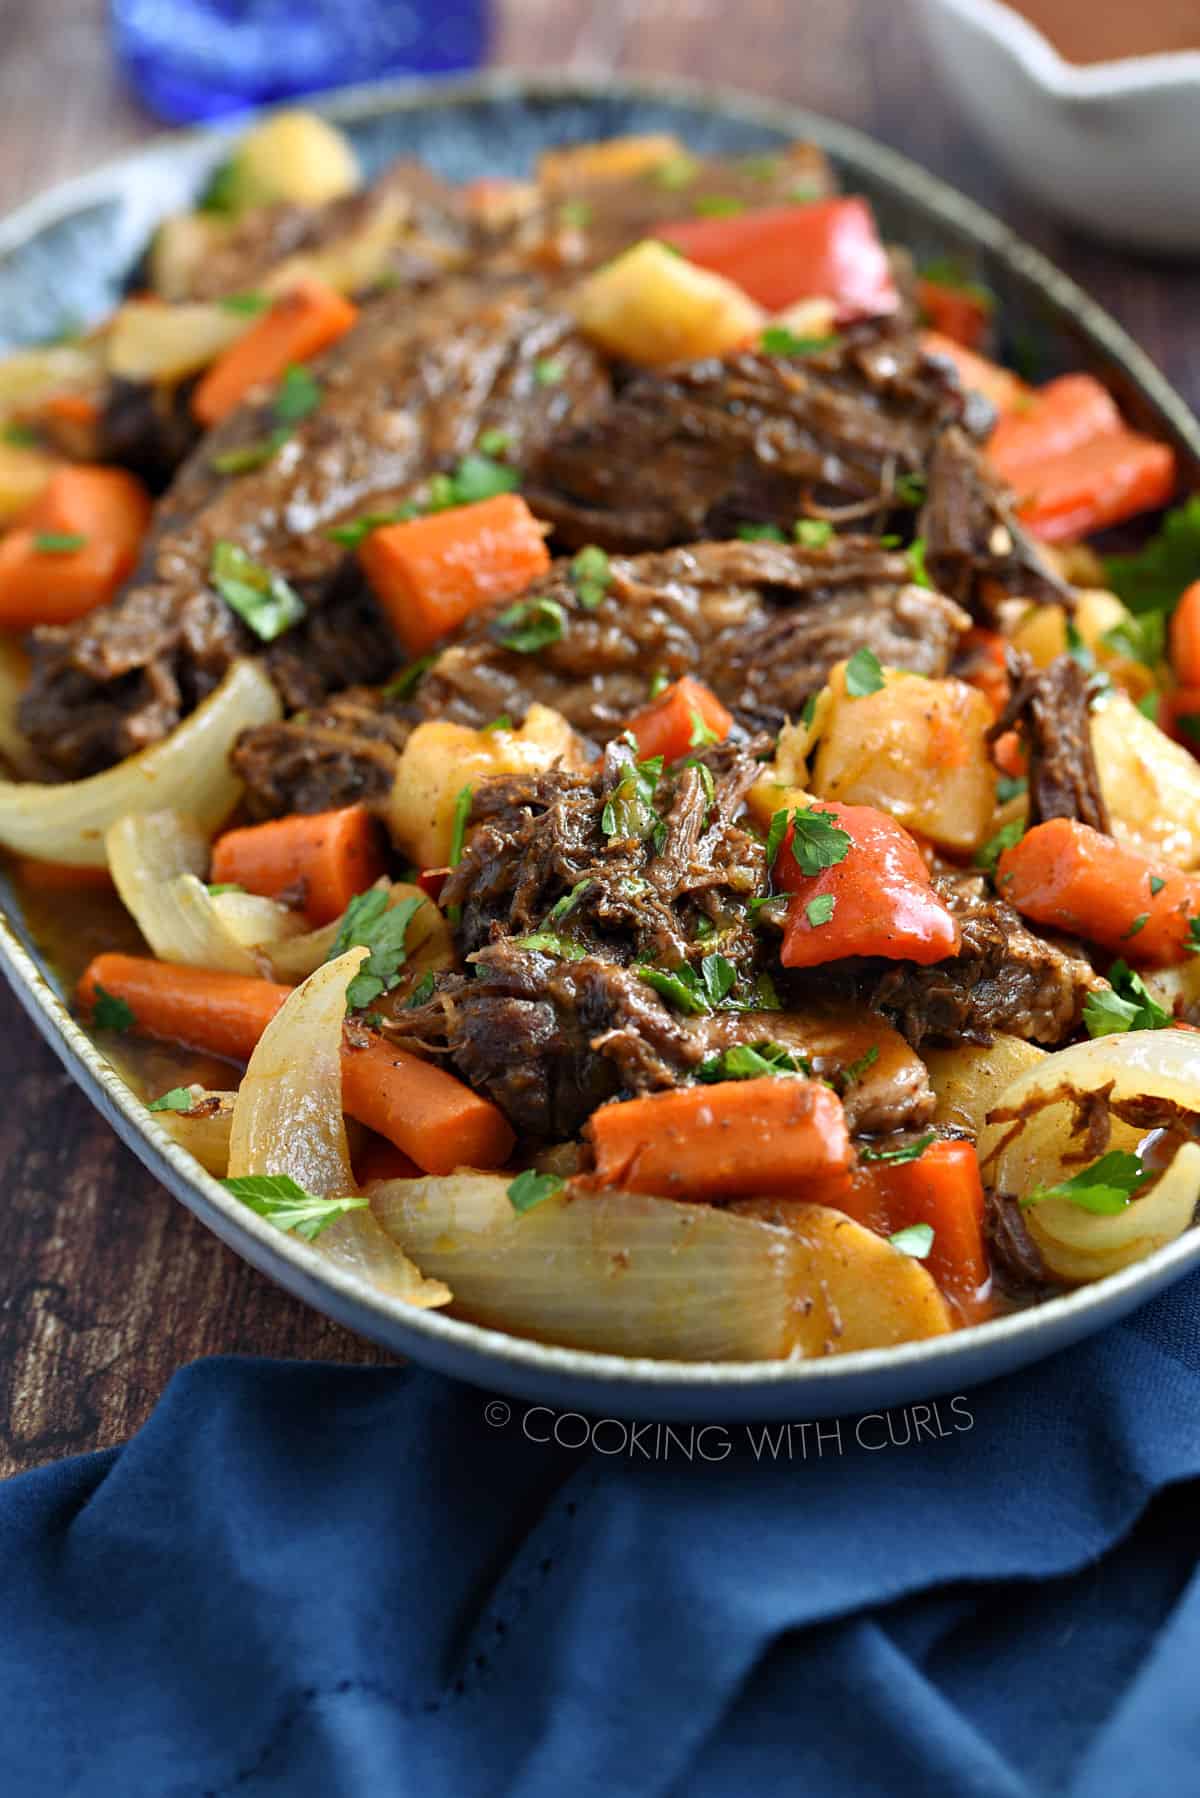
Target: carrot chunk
74, 546
942, 1188
686, 715
306, 319
202, 1008
425, 1112
1185, 637
328, 857
431, 573
1073, 878
732, 1140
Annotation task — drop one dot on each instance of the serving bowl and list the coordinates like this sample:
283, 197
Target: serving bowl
64, 256
1109, 146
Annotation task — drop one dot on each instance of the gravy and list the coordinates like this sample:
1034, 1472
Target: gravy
1090, 34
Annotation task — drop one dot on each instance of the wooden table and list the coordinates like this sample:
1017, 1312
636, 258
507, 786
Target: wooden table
107, 1285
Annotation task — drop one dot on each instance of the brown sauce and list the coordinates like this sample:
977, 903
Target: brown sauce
1106, 33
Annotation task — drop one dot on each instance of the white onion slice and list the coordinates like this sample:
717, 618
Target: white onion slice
1080, 1245
429, 946
188, 771
631, 1275
288, 1120
204, 1130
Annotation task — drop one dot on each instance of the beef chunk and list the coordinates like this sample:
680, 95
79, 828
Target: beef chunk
1011, 1249
1050, 708
693, 451
344, 752
1004, 978
761, 623
974, 548
408, 392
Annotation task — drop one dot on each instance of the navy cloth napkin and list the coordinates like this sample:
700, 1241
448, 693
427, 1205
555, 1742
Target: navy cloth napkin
301, 1579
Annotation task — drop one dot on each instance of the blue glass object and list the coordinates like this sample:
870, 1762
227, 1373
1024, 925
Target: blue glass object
197, 59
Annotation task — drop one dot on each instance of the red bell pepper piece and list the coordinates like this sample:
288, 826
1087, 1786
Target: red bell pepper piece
781, 254
1185, 637
883, 902
1055, 420
679, 719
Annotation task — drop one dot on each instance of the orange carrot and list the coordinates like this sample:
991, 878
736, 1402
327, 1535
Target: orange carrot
1108, 480
1073, 878
685, 715
960, 313
1006, 391
59, 877
1179, 716
224, 1014
73, 408
105, 505
727, 1141
436, 1120
379, 1159
1185, 637
308, 318
1056, 420
327, 857
37, 587
986, 666
942, 1187
1008, 753
431, 573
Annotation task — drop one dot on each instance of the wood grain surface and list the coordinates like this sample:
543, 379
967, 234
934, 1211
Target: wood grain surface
106, 1284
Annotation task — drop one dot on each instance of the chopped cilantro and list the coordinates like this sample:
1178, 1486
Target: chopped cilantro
255, 454
224, 886
481, 477
1192, 945
563, 907
421, 992
58, 543
502, 721
1106, 1187
219, 193
660, 680
1142, 639
531, 625
813, 533
911, 489
351, 535
915, 1240
1157, 883
262, 599
1129, 1005
180, 1098
591, 576
701, 734
369, 922
297, 395
530, 1188
947, 271
279, 1199
682, 987
1138, 925
864, 674
911, 1151
775, 835
808, 711
820, 910
854, 1070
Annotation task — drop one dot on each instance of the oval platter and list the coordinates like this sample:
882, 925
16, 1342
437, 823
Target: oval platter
63, 258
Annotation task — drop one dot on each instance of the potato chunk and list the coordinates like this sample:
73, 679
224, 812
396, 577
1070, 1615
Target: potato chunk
652, 307
1151, 785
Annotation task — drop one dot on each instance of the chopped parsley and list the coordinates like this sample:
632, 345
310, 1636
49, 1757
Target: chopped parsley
476, 477
462, 811
421, 992
297, 395
531, 625
691, 992
751, 1061
563, 907
717, 206
21, 436
777, 340
220, 191
248, 305
1153, 579
1138, 925
820, 910
864, 674
947, 271
502, 721
916, 1240
109, 1012
916, 563
530, 1188
180, 1098
262, 599
854, 1070
911, 489
255, 454
818, 841
1005, 838
575, 215
279, 1199
629, 812
1129, 1005
494, 443
775, 835
701, 736
351, 535
224, 886
408, 679
548, 371
911, 1151
549, 942
591, 576
1192, 945
808, 711
369, 922
660, 680
1105, 1187
760, 533
813, 533
1157, 883
1010, 786
58, 543
675, 173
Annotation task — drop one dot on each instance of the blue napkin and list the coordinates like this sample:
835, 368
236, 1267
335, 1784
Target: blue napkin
305, 1579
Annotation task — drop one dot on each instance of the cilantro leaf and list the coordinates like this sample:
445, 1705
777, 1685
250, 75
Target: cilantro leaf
369, 922
775, 835
180, 1098
262, 599
255, 454
718, 974
352, 534
422, 992
701, 735
854, 1070
564, 906
494, 443
530, 1188
916, 1240
864, 674
947, 271
481, 477
660, 680
820, 910
818, 841
110, 1013
248, 305
911, 1151
751, 1061
284, 1203
531, 625
1153, 579
1106, 1187
680, 985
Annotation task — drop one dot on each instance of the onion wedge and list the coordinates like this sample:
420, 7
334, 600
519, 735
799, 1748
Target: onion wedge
1079, 1246
428, 944
631, 1275
288, 1120
204, 1130
189, 770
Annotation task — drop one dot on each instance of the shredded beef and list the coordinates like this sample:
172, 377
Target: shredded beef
1049, 706
1004, 978
344, 752
975, 549
1011, 1249
408, 392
